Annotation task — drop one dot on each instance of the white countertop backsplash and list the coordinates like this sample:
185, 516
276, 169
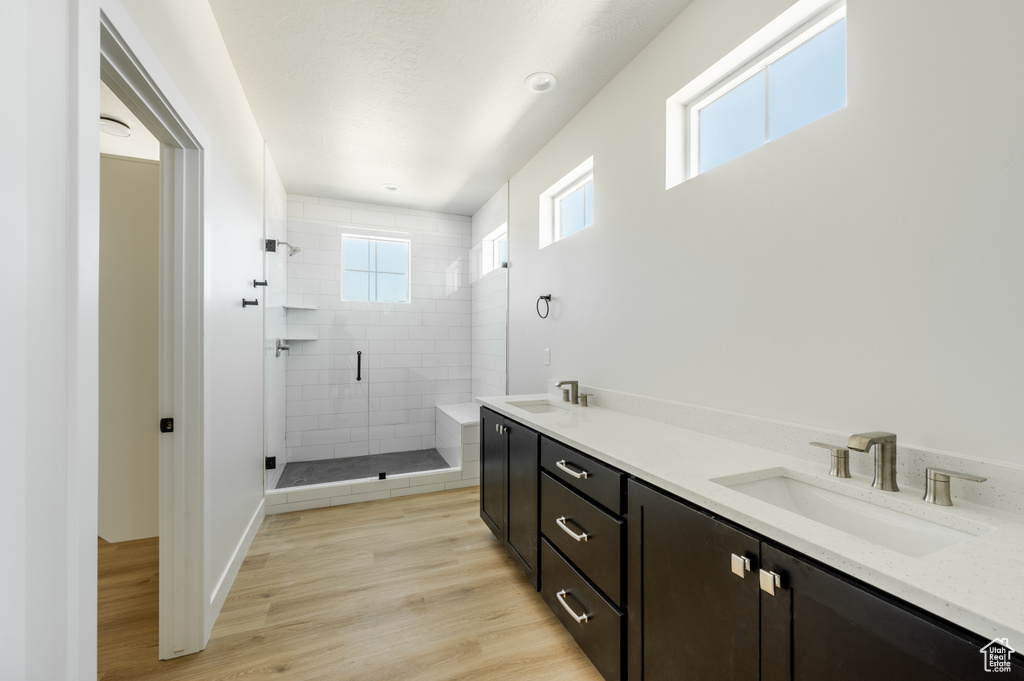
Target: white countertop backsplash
977, 584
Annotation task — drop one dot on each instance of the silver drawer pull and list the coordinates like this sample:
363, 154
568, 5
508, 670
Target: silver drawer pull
580, 619
561, 523
770, 581
579, 475
740, 566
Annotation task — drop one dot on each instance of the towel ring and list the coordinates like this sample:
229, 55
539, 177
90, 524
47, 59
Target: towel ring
547, 306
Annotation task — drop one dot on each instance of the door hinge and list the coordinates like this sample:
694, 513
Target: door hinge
271, 462
166, 425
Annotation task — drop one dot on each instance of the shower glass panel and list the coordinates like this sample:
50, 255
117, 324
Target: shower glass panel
382, 319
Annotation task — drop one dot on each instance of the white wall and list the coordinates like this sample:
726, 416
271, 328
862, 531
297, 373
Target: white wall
128, 358
184, 37
861, 273
490, 303
50, 51
15, 642
276, 295
416, 355
50, 193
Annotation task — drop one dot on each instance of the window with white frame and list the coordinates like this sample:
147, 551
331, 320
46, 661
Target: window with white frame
494, 250
375, 270
567, 207
788, 75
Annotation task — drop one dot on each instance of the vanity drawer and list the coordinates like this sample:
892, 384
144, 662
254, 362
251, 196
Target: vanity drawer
600, 635
598, 554
601, 483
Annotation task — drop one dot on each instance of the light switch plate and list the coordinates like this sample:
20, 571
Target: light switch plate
547, 357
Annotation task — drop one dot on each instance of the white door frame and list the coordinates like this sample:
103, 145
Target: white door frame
181, 479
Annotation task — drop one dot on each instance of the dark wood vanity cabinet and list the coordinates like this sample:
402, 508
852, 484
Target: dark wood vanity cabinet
690, 617
697, 613
582, 545
509, 488
671, 592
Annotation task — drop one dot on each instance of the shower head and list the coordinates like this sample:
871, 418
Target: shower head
292, 250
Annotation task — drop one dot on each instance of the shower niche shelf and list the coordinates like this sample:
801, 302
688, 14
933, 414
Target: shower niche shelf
298, 335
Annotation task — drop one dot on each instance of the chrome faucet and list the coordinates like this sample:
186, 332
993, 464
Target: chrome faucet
574, 390
885, 457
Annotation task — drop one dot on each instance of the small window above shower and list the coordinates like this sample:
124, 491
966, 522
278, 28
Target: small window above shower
375, 270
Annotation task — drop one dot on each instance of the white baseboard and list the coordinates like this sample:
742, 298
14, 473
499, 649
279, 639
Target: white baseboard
227, 578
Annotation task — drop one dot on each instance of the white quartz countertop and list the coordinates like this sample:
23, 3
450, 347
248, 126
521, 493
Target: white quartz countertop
977, 584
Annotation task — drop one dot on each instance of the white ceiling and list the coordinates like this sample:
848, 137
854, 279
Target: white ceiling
141, 143
353, 94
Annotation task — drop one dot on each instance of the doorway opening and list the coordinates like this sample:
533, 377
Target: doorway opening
179, 336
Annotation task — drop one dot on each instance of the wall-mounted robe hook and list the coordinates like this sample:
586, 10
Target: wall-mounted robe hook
547, 306
247, 303
258, 283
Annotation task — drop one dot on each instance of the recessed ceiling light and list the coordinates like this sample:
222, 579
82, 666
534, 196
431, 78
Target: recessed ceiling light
392, 187
541, 82
114, 127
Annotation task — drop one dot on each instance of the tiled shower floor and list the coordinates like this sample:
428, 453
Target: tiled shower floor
300, 473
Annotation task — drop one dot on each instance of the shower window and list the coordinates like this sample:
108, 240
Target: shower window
375, 270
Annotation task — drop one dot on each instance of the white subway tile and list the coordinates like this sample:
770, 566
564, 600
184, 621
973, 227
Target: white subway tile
387, 419
298, 506
401, 361
462, 483
342, 203
275, 497
399, 444
417, 222
359, 498
372, 217
326, 437
318, 493
332, 213
413, 429
377, 485
311, 453
348, 449
413, 346
422, 489
470, 469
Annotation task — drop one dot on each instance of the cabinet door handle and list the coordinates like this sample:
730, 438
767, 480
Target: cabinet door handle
770, 581
561, 523
580, 619
740, 566
579, 475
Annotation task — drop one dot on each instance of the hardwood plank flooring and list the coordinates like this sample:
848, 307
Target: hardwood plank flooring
410, 588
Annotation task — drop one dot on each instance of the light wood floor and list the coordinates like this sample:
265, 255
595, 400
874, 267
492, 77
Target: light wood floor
410, 588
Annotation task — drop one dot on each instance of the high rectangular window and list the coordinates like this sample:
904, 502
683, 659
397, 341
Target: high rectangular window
567, 206
375, 270
575, 208
790, 74
790, 87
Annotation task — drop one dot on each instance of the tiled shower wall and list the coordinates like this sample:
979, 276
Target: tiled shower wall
490, 302
415, 355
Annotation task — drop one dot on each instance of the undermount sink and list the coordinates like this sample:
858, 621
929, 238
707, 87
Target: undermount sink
538, 406
891, 528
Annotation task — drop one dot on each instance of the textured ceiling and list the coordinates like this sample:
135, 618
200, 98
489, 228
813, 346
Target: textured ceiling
353, 94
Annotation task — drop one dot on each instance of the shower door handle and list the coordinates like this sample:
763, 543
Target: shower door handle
359, 365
